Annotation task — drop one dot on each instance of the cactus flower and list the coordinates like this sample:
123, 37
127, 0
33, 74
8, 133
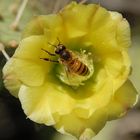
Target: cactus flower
76, 105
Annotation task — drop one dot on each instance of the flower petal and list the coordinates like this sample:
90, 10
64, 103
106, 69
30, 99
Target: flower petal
41, 103
96, 95
30, 48
117, 66
26, 62
27, 72
125, 98
38, 25
123, 34
76, 126
11, 81
75, 21
100, 98
105, 31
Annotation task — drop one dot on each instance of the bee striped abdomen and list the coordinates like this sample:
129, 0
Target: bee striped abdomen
78, 67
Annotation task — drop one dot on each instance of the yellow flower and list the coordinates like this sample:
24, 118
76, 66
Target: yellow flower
76, 105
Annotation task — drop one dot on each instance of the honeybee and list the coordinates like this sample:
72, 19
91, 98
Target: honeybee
68, 59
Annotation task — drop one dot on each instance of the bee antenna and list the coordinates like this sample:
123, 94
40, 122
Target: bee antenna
58, 41
52, 45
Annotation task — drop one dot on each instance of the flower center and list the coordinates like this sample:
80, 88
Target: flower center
77, 72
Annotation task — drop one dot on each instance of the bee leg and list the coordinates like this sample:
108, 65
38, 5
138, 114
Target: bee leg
47, 59
48, 52
67, 73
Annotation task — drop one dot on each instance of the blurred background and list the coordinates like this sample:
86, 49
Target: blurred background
13, 122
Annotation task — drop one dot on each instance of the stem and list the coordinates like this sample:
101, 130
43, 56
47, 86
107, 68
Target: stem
4, 52
19, 14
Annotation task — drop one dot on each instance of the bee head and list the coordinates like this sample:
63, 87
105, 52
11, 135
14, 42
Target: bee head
60, 48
